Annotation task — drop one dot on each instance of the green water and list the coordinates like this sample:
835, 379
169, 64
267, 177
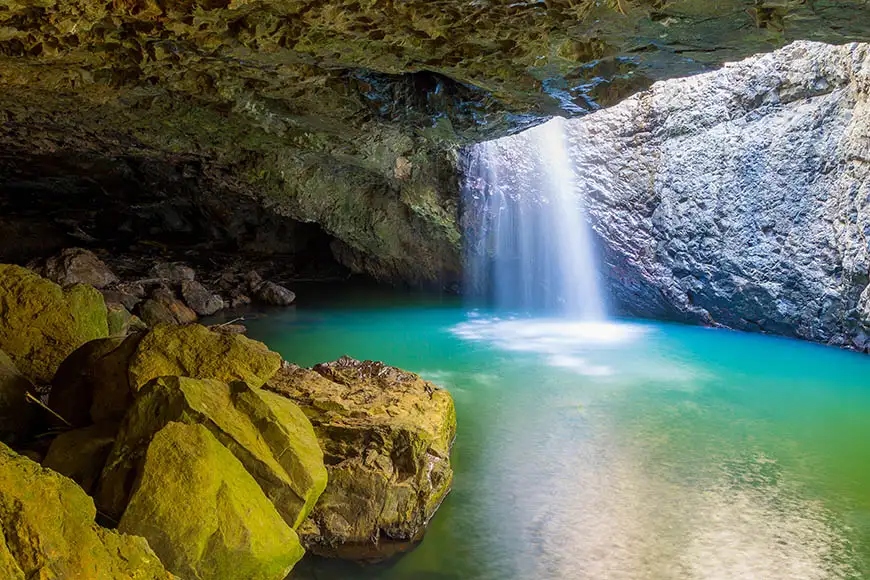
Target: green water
632, 450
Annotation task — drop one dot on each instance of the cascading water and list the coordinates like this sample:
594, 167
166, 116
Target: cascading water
528, 245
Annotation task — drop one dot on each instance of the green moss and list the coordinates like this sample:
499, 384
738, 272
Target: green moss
42, 323
195, 351
203, 514
270, 436
47, 527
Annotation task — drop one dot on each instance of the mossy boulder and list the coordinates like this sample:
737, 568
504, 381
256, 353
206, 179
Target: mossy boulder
98, 382
15, 412
269, 435
386, 436
80, 454
42, 323
47, 530
204, 515
195, 351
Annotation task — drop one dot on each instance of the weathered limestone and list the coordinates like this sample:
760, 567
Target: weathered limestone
78, 266
41, 323
203, 514
47, 530
386, 436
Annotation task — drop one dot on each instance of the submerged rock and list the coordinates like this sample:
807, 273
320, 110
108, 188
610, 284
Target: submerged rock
386, 436
78, 266
48, 530
203, 514
269, 435
42, 323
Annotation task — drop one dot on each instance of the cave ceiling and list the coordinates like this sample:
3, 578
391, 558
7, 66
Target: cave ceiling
348, 113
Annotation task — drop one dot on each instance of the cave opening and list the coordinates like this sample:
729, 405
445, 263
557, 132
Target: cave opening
135, 211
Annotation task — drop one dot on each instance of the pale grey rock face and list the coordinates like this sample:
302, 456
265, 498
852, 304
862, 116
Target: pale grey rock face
739, 197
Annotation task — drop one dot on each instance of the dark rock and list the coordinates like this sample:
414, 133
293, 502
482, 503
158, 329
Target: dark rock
165, 307
15, 413
81, 454
173, 272
274, 294
200, 299
78, 266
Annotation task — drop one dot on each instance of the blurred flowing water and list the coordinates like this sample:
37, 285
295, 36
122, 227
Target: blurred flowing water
527, 240
616, 450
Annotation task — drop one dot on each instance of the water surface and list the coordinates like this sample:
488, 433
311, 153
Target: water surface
629, 450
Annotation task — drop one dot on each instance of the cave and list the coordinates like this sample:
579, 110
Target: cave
617, 251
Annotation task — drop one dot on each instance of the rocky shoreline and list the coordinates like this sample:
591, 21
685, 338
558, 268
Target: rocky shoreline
169, 449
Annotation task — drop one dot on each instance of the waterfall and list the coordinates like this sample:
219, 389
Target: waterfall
528, 243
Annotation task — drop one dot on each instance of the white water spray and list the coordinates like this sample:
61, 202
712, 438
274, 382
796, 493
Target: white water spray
528, 244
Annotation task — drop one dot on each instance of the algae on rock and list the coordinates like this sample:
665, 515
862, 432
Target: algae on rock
386, 436
42, 323
203, 514
47, 530
268, 434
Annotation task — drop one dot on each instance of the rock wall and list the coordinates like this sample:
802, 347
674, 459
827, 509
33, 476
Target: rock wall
739, 197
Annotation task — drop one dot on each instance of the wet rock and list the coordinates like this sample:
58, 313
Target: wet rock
273, 294
223, 527
164, 307
48, 530
15, 413
266, 432
173, 272
78, 266
386, 436
200, 299
42, 323
81, 454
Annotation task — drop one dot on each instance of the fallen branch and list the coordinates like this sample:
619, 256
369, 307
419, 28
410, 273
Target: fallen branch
33, 399
239, 319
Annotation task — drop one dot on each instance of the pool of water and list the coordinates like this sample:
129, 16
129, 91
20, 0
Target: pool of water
628, 450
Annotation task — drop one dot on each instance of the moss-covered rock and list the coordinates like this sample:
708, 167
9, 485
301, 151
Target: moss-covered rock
42, 323
195, 351
47, 530
269, 434
81, 454
204, 515
15, 412
386, 436
121, 321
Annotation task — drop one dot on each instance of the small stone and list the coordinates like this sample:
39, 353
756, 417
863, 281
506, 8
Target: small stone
165, 307
274, 294
200, 299
78, 266
173, 272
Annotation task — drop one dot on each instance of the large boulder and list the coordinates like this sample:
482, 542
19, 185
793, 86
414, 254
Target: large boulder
15, 412
266, 432
47, 530
195, 351
386, 436
78, 266
274, 294
42, 323
204, 515
93, 383
80, 454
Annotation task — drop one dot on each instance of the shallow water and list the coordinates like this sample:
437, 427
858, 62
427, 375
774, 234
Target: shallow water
630, 450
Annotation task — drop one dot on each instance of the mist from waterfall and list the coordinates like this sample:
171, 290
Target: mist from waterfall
528, 243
